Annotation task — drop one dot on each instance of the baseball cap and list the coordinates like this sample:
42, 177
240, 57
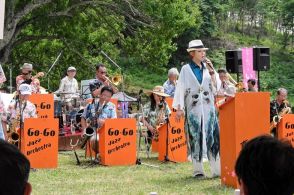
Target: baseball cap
25, 89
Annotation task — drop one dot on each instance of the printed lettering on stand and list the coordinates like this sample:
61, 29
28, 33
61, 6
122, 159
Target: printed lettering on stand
117, 142
44, 105
39, 142
286, 128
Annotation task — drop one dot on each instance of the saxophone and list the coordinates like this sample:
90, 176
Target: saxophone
92, 124
160, 121
14, 126
277, 118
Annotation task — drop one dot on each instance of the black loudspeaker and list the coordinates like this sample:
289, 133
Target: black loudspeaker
261, 58
234, 61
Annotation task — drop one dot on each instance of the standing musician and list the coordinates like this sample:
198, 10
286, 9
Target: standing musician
278, 107
98, 110
20, 107
26, 77
155, 112
170, 85
101, 73
227, 89
197, 85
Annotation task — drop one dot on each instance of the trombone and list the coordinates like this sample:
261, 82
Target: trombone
115, 80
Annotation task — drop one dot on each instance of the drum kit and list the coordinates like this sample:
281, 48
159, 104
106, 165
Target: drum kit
68, 108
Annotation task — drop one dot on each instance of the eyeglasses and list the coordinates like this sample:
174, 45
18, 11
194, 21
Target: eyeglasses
29, 72
102, 72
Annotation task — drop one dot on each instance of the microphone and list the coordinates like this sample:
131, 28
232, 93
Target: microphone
208, 64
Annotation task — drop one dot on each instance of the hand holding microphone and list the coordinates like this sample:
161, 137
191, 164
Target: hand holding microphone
209, 65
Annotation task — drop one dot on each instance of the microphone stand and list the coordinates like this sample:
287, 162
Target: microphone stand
21, 121
121, 72
47, 74
166, 157
99, 111
139, 161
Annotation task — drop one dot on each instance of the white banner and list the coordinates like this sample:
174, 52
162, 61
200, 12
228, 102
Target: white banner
2, 14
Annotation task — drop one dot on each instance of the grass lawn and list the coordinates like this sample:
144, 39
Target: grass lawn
169, 178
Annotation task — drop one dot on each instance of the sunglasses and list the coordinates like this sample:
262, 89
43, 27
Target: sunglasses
29, 72
103, 72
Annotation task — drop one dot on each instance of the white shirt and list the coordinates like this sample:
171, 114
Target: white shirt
68, 85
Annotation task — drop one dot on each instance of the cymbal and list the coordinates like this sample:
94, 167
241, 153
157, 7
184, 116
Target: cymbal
64, 93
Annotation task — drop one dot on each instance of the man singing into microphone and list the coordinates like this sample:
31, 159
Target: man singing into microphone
194, 96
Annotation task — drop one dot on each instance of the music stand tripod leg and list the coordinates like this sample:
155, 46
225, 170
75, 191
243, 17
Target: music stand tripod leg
166, 158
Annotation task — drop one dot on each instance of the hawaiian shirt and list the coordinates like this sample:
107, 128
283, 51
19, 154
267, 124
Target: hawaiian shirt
169, 88
2, 110
227, 89
13, 111
108, 110
35, 84
152, 116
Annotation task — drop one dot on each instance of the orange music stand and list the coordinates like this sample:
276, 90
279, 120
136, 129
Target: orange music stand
117, 142
177, 144
44, 105
241, 118
39, 142
286, 128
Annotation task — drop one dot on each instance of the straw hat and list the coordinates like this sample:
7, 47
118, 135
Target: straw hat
196, 45
158, 90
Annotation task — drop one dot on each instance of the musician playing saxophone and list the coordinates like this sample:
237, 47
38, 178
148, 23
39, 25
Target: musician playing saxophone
278, 105
155, 112
20, 106
98, 110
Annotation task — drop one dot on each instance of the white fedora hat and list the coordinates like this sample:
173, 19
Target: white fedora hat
196, 45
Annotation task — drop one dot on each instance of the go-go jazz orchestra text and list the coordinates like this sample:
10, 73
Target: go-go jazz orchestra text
124, 132
45, 132
43, 106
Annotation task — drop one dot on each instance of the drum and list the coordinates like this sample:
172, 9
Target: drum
57, 108
72, 103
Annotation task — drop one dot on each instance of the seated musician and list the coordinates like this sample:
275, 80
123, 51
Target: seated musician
155, 112
26, 77
20, 106
98, 110
69, 89
227, 88
170, 85
279, 107
69, 85
101, 75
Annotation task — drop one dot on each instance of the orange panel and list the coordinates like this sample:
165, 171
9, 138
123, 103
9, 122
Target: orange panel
241, 119
44, 105
286, 128
117, 142
39, 142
